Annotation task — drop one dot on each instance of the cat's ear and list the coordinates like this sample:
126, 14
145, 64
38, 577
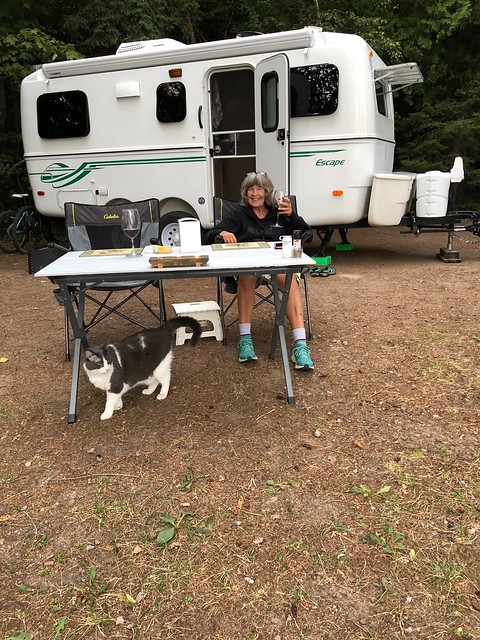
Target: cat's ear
92, 357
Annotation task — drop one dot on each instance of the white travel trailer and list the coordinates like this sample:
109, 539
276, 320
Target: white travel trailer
186, 122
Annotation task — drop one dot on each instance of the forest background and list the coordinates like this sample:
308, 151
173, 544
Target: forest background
435, 121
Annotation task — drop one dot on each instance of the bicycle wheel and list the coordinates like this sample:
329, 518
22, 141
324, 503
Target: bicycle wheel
6, 226
27, 229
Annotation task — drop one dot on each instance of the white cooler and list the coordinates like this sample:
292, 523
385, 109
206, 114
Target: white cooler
390, 198
432, 194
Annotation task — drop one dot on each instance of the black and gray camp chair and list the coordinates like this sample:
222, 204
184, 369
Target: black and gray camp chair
99, 227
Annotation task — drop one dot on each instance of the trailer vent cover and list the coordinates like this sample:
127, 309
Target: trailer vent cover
246, 34
150, 45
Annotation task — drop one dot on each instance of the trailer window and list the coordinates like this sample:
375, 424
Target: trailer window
232, 101
63, 115
380, 92
269, 92
314, 90
171, 102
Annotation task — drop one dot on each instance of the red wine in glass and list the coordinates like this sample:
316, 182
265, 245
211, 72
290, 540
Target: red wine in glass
278, 197
131, 225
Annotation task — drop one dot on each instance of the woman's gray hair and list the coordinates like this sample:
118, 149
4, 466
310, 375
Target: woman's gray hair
261, 179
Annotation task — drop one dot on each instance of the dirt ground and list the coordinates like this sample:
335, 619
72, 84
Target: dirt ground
223, 513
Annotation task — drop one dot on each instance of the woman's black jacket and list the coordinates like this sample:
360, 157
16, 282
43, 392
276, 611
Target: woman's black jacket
247, 227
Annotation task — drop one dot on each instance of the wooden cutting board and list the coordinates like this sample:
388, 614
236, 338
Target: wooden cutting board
177, 261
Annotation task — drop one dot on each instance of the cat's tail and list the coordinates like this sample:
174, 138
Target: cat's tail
190, 323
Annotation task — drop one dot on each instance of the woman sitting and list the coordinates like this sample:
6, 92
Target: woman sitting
254, 224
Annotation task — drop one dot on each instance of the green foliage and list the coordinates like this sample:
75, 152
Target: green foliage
365, 491
101, 25
19, 52
15, 15
171, 527
390, 541
60, 627
273, 486
436, 121
186, 483
440, 120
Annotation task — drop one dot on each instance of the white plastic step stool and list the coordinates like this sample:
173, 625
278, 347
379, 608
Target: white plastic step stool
207, 313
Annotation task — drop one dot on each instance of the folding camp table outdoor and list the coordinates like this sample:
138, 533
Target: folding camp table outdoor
89, 271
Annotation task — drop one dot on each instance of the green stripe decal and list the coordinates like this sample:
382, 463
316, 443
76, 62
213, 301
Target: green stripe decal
59, 174
310, 154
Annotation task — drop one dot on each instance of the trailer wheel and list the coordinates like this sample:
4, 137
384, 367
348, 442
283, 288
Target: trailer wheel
117, 201
169, 231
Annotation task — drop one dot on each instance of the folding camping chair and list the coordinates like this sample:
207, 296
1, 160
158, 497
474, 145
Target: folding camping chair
221, 208
99, 227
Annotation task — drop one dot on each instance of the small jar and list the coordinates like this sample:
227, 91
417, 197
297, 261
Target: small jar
297, 244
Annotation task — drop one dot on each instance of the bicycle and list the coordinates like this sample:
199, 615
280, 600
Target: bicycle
27, 231
6, 226
7, 218
24, 229
31, 227
16, 226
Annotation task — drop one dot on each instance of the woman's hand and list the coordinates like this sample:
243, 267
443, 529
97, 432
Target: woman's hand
285, 207
228, 237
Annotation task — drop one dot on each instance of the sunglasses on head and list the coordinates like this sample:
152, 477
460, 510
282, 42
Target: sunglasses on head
256, 173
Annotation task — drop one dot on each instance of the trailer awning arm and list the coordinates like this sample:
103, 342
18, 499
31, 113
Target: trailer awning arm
399, 76
234, 47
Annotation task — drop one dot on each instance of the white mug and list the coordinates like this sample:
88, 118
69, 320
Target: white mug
286, 246
190, 235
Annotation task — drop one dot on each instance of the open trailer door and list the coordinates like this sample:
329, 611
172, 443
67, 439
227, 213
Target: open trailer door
272, 119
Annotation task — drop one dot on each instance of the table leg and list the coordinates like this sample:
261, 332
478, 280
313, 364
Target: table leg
161, 302
76, 322
222, 309
279, 332
72, 408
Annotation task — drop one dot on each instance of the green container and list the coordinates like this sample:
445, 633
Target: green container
322, 260
346, 246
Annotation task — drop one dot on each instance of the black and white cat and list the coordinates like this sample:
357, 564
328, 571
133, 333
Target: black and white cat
144, 358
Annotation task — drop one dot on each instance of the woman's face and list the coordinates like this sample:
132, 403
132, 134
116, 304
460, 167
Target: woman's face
256, 196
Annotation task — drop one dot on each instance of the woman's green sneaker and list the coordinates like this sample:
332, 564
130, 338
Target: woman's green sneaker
245, 349
301, 357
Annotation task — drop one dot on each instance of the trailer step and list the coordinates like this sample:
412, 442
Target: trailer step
322, 260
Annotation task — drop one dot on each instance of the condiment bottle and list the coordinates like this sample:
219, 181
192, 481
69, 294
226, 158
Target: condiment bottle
296, 244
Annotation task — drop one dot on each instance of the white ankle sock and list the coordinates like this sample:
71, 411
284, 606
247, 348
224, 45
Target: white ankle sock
299, 335
245, 328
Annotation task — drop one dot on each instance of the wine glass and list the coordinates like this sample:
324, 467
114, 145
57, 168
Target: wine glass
278, 197
131, 225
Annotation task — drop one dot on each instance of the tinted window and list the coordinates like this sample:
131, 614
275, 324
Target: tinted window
381, 98
171, 102
269, 91
232, 101
63, 115
314, 90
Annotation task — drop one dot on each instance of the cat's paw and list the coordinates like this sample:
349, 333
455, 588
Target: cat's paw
148, 391
106, 415
119, 405
162, 395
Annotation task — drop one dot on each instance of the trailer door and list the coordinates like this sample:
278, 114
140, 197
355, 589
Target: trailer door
272, 119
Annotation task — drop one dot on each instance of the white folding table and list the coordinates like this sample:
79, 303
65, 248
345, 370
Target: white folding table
73, 269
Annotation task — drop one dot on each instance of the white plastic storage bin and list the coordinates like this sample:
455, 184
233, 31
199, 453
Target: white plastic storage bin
390, 198
432, 194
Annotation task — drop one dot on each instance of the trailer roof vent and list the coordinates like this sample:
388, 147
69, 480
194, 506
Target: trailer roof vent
150, 45
246, 34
